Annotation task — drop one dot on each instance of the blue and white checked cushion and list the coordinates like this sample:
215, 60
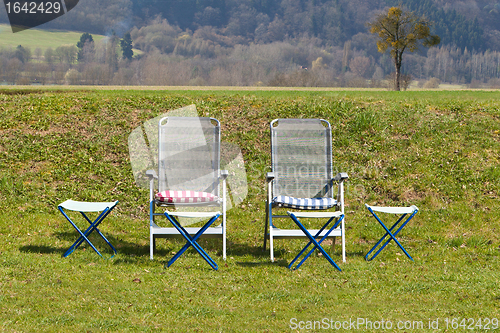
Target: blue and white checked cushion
304, 203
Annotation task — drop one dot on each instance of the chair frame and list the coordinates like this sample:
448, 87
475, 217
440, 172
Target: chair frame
190, 234
271, 232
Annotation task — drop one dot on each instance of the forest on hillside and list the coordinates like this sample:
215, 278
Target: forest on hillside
473, 24
262, 42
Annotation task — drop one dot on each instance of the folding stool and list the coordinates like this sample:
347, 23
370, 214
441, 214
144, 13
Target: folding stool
192, 240
87, 207
339, 216
403, 211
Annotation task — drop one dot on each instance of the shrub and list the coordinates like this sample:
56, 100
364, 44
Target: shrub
433, 83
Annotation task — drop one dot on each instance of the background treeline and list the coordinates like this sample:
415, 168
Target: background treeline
474, 24
182, 59
258, 42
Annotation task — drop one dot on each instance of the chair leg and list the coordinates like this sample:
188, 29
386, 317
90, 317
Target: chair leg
333, 244
266, 223
271, 244
343, 239
269, 226
224, 219
224, 248
152, 245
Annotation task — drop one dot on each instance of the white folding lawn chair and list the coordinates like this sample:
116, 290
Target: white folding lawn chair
191, 186
302, 181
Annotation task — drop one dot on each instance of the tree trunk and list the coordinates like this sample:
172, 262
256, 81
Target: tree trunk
397, 62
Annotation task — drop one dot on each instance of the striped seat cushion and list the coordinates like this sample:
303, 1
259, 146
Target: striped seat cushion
304, 203
185, 197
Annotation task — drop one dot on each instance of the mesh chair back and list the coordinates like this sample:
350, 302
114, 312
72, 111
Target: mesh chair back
301, 153
189, 154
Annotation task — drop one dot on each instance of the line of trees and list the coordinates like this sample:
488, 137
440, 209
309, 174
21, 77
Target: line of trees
206, 58
450, 64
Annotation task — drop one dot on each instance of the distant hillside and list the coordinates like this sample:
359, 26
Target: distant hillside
311, 43
471, 24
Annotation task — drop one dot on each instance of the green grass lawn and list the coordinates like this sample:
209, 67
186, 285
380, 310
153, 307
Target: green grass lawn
437, 150
37, 38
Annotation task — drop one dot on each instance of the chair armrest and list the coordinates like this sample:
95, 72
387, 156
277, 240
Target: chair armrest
151, 174
269, 176
224, 174
341, 176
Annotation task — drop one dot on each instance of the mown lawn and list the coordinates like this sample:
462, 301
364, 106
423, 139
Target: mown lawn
36, 38
437, 150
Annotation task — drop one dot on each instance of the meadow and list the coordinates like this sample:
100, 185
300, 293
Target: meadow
438, 150
36, 38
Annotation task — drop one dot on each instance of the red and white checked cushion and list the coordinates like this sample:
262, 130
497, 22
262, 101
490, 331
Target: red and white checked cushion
185, 197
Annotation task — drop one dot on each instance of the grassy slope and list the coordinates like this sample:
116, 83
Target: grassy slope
437, 150
36, 38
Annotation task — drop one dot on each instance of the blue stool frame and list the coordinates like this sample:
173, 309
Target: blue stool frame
85, 207
404, 211
312, 239
192, 241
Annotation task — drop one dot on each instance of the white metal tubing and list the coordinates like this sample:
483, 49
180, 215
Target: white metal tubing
341, 189
269, 207
224, 218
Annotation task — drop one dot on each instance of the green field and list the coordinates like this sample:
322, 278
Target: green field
37, 38
437, 150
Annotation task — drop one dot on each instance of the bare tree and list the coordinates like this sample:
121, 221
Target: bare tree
360, 66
